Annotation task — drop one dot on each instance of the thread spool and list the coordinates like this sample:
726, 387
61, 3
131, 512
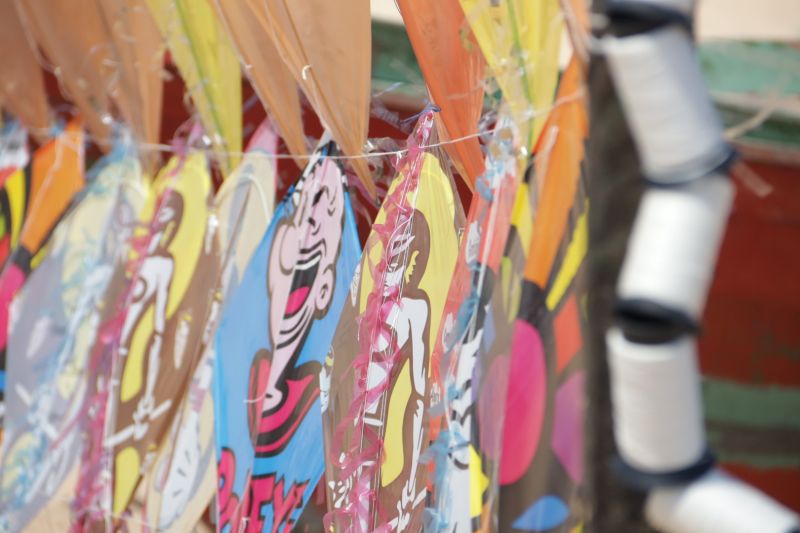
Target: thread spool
675, 126
675, 242
717, 502
658, 417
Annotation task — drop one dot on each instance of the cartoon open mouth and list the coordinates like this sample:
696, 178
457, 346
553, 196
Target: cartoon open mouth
304, 275
278, 425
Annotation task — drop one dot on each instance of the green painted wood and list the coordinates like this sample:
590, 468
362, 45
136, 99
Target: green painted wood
751, 405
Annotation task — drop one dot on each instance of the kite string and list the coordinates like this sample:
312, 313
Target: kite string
168, 148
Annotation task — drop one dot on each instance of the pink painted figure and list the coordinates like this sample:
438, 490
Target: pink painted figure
300, 283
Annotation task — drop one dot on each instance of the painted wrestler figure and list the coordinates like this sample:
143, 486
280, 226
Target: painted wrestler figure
407, 253
300, 281
151, 288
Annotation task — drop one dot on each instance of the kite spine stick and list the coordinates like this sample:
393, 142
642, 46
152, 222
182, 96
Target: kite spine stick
666, 275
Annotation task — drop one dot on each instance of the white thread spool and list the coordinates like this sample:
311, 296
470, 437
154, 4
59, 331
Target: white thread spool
717, 502
675, 242
674, 124
657, 406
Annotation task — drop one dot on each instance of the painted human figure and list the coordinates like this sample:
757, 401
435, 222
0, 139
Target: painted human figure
151, 288
300, 282
407, 257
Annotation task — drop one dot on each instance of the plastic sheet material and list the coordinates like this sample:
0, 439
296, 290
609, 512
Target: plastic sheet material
139, 56
328, 49
48, 346
22, 90
520, 41
464, 364
274, 84
183, 478
271, 347
207, 61
148, 342
441, 39
56, 173
77, 43
377, 372
542, 468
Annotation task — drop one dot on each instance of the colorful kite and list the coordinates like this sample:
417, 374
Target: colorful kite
78, 44
22, 91
208, 64
139, 51
520, 41
461, 357
328, 49
542, 459
376, 377
183, 479
54, 332
458, 92
56, 174
270, 352
262, 64
148, 342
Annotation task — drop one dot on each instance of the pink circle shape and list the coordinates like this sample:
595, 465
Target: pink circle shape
527, 384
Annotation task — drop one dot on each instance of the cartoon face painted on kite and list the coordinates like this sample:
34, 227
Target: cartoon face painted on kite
302, 272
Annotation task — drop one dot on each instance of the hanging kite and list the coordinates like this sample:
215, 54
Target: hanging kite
22, 90
520, 41
542, 462
328, 49
457, 92
148, 341
377, 373
270, 352
183, 479
139, 53
271, 79
56, 174
48, 347
208, 64
461, 356
78, 45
